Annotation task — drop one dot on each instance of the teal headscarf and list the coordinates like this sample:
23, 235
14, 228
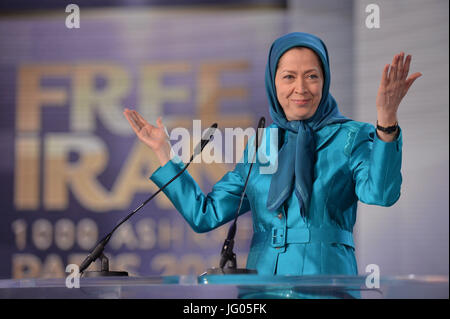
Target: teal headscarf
296, 157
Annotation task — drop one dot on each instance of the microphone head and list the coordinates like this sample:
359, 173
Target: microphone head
261, 125
205, 140
262, 122
209, 132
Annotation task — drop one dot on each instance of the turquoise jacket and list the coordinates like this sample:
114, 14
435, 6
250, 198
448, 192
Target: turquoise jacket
351, 164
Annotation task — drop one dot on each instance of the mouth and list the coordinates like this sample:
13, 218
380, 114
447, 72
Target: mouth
300, 102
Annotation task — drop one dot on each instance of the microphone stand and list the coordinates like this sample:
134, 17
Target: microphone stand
227, 254
97, 252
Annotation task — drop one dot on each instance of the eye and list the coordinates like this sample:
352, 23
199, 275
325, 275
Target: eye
288, 76
313, 76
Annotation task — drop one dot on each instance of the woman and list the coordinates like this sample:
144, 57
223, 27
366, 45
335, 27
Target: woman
304, 213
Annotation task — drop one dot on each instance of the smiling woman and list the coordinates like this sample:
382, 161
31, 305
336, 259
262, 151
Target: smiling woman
304, 212
299, 82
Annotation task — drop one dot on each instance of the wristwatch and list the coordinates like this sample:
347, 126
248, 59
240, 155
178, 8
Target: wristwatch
389, 129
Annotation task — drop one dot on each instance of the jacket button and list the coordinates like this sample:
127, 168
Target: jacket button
280, 215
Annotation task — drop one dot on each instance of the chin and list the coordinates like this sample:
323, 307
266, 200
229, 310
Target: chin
301, 117
300, 113
303, 114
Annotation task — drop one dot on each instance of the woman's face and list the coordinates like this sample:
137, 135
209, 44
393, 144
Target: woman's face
299, 82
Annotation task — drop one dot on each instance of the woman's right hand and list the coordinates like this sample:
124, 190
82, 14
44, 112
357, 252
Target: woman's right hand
154, 137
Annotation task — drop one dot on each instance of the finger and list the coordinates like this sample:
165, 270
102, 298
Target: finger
393, 70
400, 65
406, 68
141, 120
126, 113
149, 127
384, 76
397, 59
159, 122
136, 118
161, 125
130, 120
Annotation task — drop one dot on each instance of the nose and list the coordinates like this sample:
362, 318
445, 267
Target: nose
300, 87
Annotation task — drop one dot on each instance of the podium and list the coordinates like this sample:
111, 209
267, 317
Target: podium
246, 286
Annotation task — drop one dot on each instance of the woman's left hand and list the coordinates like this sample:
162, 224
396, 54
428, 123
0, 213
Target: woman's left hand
393, 87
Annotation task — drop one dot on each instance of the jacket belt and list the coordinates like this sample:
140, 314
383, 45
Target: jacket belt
279, 237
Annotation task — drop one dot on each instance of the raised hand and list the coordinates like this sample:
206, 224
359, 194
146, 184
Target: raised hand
154, 137
394, 85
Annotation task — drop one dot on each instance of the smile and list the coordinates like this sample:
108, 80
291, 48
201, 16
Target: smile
300, 102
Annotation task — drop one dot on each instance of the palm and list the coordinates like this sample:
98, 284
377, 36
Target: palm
153, 136
395, 84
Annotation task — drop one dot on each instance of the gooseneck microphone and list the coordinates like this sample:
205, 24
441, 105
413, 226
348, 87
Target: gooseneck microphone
227, 254
98, 250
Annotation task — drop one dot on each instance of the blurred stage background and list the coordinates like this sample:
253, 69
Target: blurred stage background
71, 166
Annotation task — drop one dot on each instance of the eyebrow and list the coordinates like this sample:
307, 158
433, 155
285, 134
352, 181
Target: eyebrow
307, 71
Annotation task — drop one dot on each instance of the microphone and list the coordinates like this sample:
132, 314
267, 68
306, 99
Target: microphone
227, 254
98, 250
205, 140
